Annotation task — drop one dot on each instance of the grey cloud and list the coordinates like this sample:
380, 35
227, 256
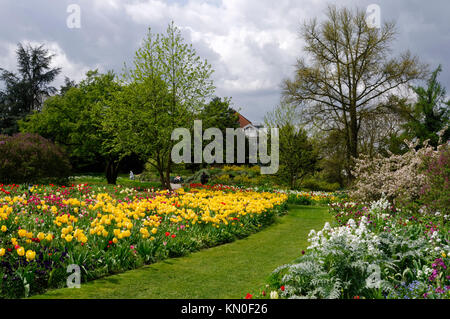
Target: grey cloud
110, 35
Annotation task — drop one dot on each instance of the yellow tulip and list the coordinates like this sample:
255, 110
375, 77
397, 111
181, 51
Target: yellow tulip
22, 232
2, 252
30, 255
20, 251
4, 228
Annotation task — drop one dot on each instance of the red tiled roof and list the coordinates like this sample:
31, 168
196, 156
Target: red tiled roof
243, 122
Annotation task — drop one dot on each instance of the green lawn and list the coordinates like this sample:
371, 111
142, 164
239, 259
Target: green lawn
227, 271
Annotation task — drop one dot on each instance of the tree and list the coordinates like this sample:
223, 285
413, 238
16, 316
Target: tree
75, 119
331, 156
347, 74
68, 84
298, 158
26, 91
430, 114
164, 90
219, 114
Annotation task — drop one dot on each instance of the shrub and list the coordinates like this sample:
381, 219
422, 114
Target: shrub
30, 158
399, 177
435, 193
314, 184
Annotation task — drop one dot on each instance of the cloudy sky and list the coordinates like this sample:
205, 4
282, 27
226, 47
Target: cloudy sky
251, 44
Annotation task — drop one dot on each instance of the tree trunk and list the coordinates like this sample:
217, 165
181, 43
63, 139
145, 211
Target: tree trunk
112, 170
168, 169
352, 151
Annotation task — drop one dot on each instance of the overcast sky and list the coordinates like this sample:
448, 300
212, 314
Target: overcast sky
251, 44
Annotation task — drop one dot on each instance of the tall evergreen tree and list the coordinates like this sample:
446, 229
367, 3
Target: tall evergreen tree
25, 91
430, 114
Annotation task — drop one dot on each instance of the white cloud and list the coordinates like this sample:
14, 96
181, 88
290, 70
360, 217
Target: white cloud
8, 56
74, 70
238, 33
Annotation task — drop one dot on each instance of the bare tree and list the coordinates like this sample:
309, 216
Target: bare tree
348, 71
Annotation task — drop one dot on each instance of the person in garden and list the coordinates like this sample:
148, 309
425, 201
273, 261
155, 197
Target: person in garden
178, 180
204, 178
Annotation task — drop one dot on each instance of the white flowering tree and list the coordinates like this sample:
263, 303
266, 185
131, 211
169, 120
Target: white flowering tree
397, 176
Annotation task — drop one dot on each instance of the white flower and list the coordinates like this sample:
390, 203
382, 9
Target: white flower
351, 223
274, 295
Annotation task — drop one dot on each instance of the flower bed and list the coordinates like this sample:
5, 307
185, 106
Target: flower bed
111, 229
374, 251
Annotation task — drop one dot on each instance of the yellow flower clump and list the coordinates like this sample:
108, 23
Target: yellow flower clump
112, 219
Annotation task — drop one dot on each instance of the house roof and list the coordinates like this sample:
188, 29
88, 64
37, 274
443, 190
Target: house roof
243, 121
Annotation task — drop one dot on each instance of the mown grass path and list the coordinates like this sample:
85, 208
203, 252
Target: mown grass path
224, 272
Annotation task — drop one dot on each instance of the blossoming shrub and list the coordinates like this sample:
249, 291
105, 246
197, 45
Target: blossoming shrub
399, 177
435, 193
111, 229
30, 158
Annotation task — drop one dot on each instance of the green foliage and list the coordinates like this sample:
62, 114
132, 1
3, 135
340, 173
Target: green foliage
431, 113
74, 120
435, 194
219, 114
29, 158
167, 85
24, 92
297, 156
315, 184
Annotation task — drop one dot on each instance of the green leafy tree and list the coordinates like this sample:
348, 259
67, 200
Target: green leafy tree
25, 92
68, 84
165, 89
297, 155
75, 120
219, 114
